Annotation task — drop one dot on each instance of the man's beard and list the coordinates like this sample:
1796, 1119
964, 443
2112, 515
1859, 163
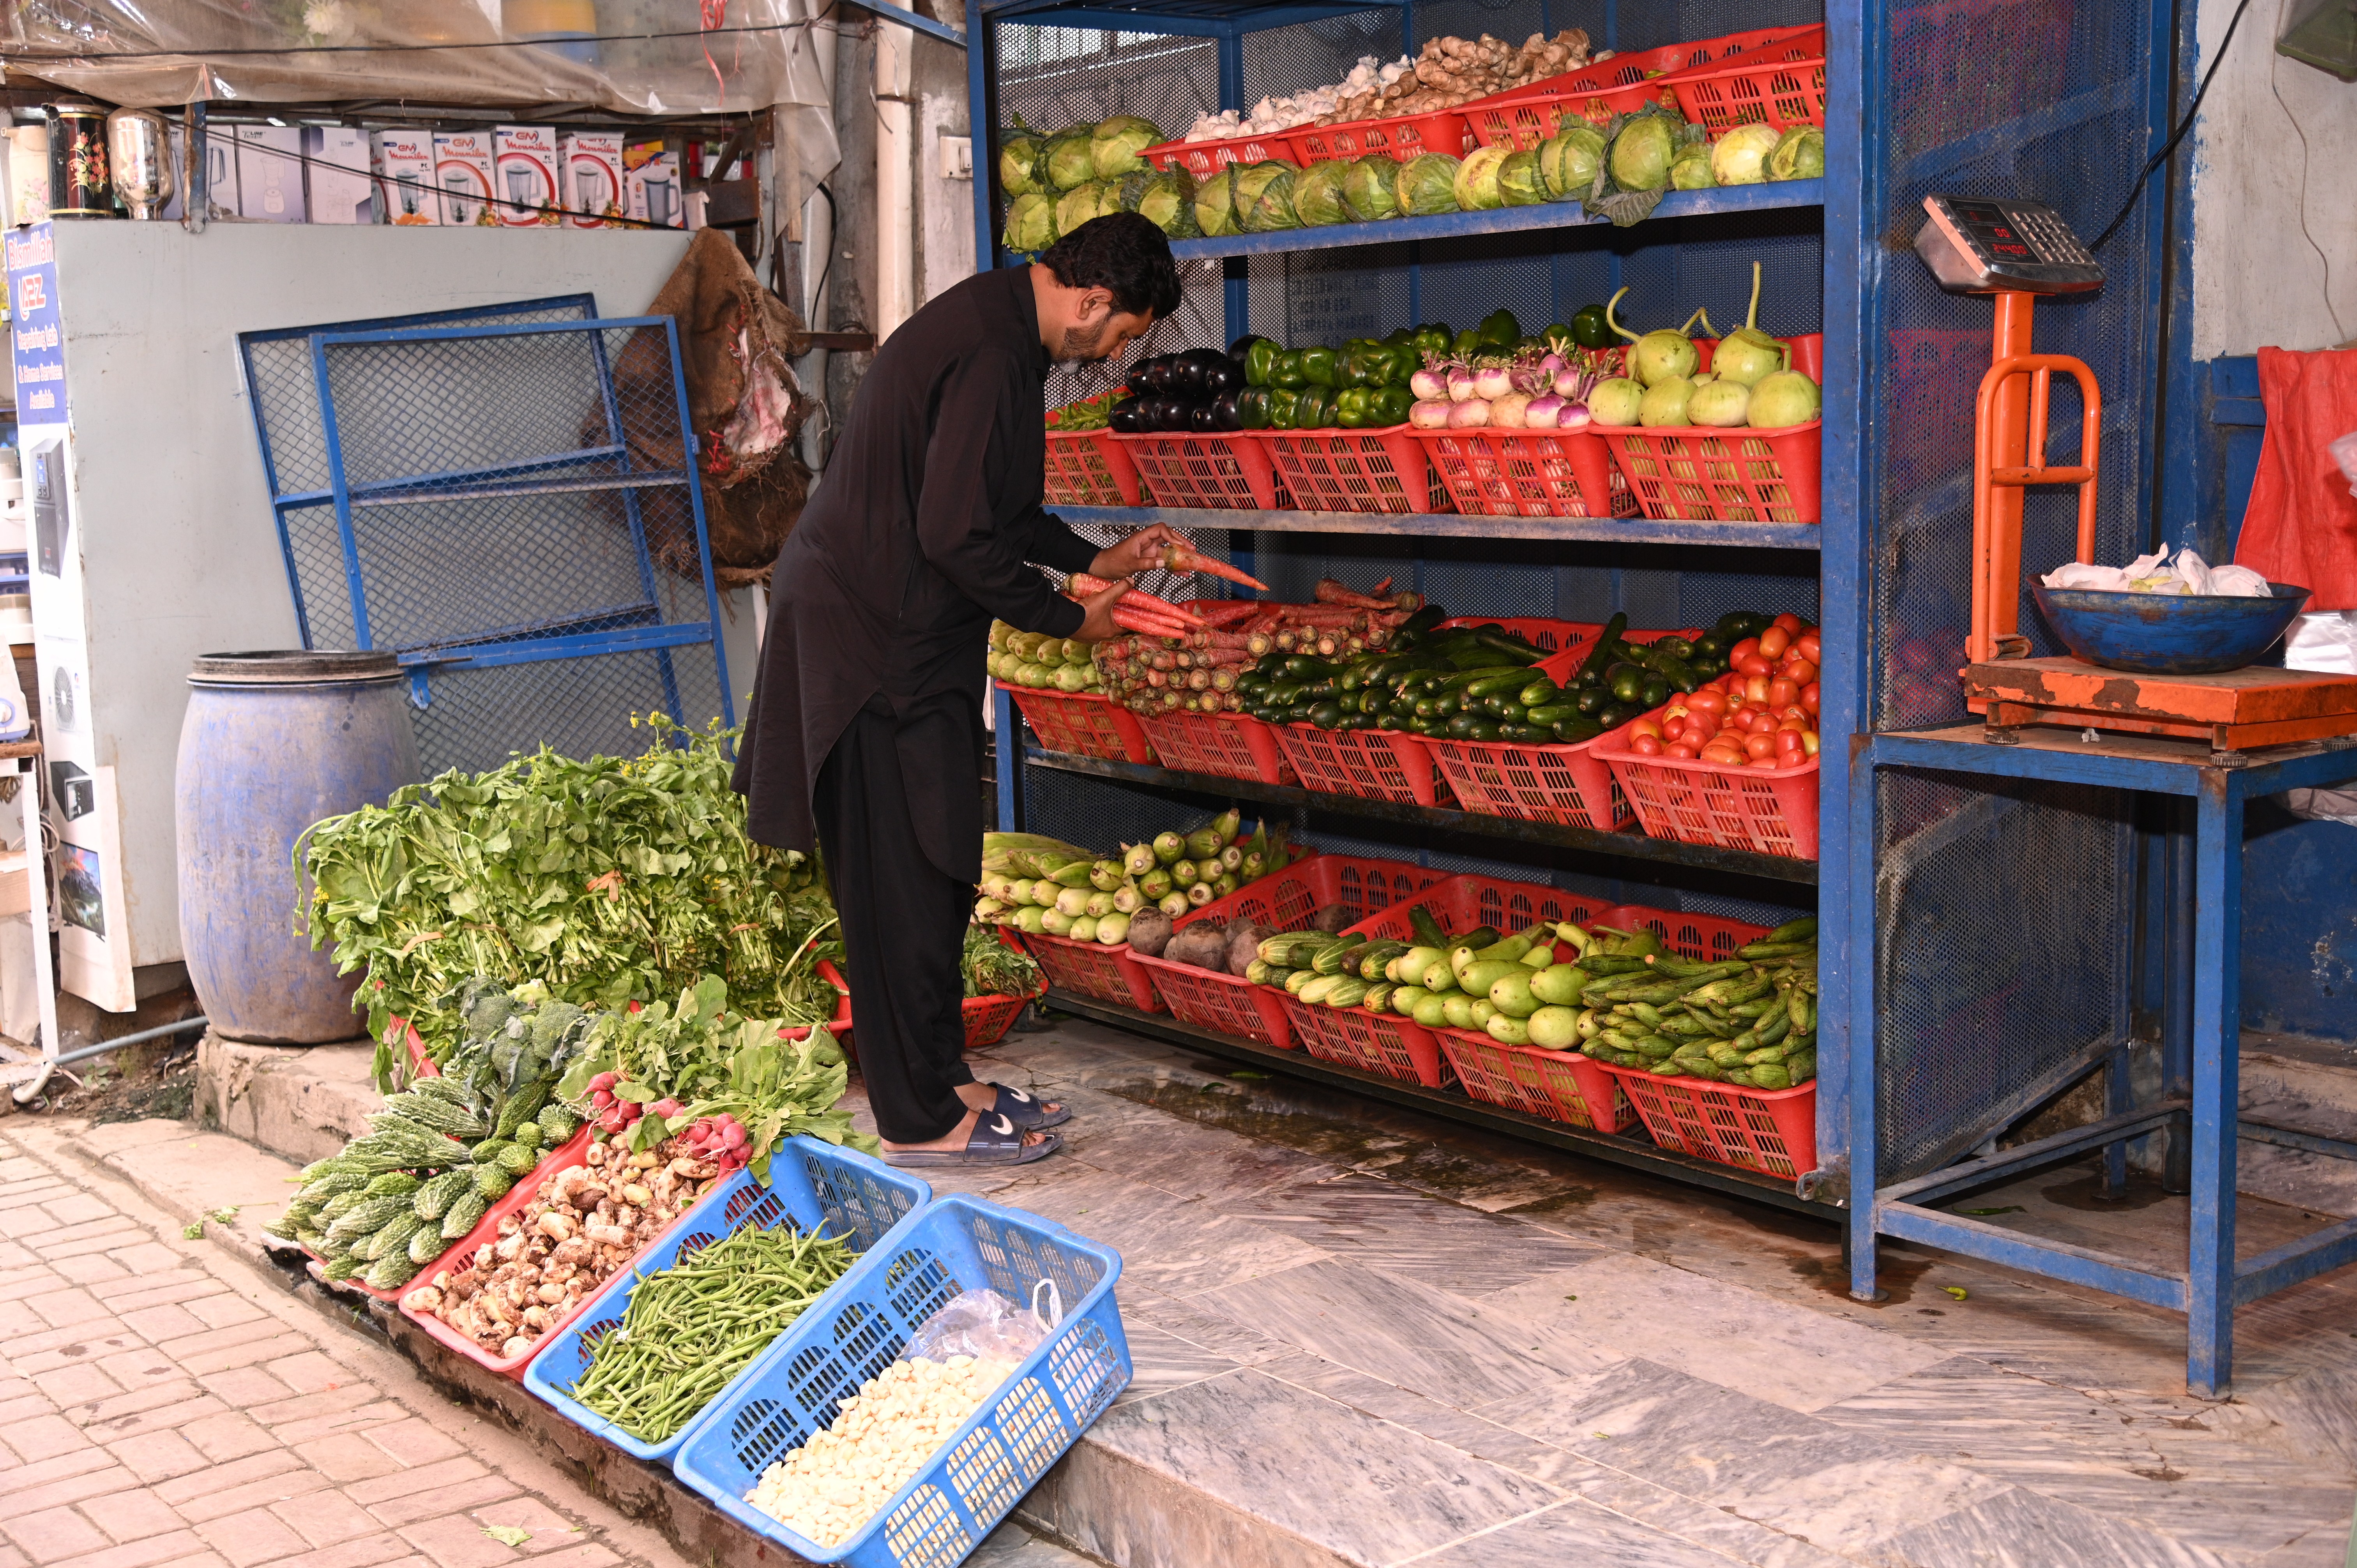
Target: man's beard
1085, 346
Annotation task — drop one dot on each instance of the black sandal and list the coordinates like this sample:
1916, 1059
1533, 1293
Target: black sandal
995, 1142
1027, 1111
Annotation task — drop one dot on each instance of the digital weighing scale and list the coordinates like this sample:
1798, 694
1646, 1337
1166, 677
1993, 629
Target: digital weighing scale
2016, 251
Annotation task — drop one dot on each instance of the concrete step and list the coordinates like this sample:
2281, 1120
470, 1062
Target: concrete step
302, 1101
2307, 1086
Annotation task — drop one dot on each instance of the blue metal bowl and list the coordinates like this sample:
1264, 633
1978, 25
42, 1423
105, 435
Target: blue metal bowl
2167, 634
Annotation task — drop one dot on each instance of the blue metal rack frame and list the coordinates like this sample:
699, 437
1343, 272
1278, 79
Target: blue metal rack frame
2003, 97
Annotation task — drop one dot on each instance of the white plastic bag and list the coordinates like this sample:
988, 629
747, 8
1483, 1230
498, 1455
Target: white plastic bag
2156, 574
981, 1323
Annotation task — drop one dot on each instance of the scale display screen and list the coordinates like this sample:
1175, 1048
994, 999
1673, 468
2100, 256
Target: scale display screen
1985, 245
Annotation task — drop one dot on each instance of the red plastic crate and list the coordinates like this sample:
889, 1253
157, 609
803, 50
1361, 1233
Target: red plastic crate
1554, 637
1766, 810
1708, 939
1526, 116
1213, 473
1403, 138
1092, 969
1773, 1131
1528, 473
988, 1018
1089, 468
1354, 471
1208, 158
1226, 746
1534, 783
1703, 474
1371, 764
1562, 1086
1779, 82
1381, 1042
1284, 901
1083, 722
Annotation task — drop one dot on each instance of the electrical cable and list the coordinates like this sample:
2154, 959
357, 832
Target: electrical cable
65, 56
2168, 147
2274, 61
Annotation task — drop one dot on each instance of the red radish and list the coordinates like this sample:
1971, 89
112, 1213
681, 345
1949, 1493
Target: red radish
606, 1081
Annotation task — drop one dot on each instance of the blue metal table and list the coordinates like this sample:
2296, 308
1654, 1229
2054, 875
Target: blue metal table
2200, 1039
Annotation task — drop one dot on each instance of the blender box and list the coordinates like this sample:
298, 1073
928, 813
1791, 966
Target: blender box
528, 176
339, 189
593, 176
463, 168
402, 163
652, 178
270, 173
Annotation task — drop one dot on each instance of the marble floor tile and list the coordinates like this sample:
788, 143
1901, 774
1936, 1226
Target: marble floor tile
1179, 1246
1207, 1331
1723, 1531
1367, 1490
1012, 1546
1429, 1417
1189, 1161
2317, 1412
1759, 1461
1736, 1338
2326, 1548
1575, 1535
1161, 1362
2118, 1457
2019, 1528
1398, 1230
1404, 1333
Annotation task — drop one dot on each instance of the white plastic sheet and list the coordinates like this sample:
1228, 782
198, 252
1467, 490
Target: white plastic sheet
2157, 574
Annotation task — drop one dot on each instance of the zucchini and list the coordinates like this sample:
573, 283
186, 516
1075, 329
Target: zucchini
1374, 956
1601, 654
1340, 958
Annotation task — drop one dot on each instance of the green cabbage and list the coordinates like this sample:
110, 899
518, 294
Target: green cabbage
1368, 191
1115, 144
1568, 160
1019, 171
1476, 179
1641, 153
1264, 197
1166, 200
1079, 205
1215, 204
1426, 184
1799, 153
1318, 193
1690, 170
1740, 156
1519, 180
1071, 159
1030, 223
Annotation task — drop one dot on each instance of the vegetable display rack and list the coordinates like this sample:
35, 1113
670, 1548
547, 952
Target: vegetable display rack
1085, 723
1528, 473
997, 1455
1772, 1131
1285, 901
1089, 468
1372, 764
814, 1186
1354, 471
486, 1231
1214, 473
1779, 81
1737, 473
1225, 746
1525, 116
1108, 973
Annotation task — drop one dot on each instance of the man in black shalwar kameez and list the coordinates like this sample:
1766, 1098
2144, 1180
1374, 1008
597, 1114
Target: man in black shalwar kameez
865, 730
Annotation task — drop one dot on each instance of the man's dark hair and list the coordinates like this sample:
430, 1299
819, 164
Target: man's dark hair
1123, 253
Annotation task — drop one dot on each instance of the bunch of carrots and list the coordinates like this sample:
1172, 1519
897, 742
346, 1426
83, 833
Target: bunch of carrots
1187, 657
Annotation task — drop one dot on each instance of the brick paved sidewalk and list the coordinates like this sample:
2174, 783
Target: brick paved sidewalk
161, 1406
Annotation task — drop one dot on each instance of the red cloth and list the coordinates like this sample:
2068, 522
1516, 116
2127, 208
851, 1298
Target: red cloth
2301, 526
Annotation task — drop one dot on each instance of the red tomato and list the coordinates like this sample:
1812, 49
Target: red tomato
1773, 641
1681, 749
1760, 746
1672, 727
1809, 742
1708, 700
1754, 688
1787, 743
1793, 711
1809, 697
1752, 664
1790, 624
1723, 754
1791, 726
1798, 669
1648, 727
1810, 647
1646, 745
1783, 692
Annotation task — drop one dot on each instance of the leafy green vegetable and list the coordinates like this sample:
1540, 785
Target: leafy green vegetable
1070, 158
1568, 160
1799, 154
1031, 224
1426, 184
1520, 181
1476, 182
1264, 197
1318, 193
1166, 200
1116, 142
609, 880
994, 969
1215, 204
1019, 164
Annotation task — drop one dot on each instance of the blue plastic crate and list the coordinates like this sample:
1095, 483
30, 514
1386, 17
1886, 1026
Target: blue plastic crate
1000, 1452
812, 1183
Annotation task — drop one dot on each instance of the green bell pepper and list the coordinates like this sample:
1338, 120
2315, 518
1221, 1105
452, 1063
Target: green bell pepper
1435, 338
1471, 342
1590, 328
1366, 365
1391, 405
1287, 372
1314, 410
1352, 407
1501, 329
1558, 339
1259, 362
1252, 407
1283, 403
1320, 366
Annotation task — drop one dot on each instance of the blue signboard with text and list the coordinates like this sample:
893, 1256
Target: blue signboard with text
33, 303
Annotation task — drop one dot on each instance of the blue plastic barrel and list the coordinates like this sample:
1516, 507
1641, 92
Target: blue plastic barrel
272, 743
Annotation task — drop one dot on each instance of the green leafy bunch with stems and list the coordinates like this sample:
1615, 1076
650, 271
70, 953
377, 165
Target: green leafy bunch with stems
609, 880
712, 1061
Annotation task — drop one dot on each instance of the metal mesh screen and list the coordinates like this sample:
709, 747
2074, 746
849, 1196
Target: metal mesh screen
525, 530
2038, 99
1987, 983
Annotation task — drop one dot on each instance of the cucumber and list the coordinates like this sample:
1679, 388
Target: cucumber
1338, 958
1375, 956
1348, 991
1299, 978
1427, 930
1379, 995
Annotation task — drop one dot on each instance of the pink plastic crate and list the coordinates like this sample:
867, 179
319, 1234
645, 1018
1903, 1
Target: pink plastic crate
1698, 473
1528, 473
1381, 1043
1354, 471
1773, 1131
1089, 468
1528, 116
1211, 472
